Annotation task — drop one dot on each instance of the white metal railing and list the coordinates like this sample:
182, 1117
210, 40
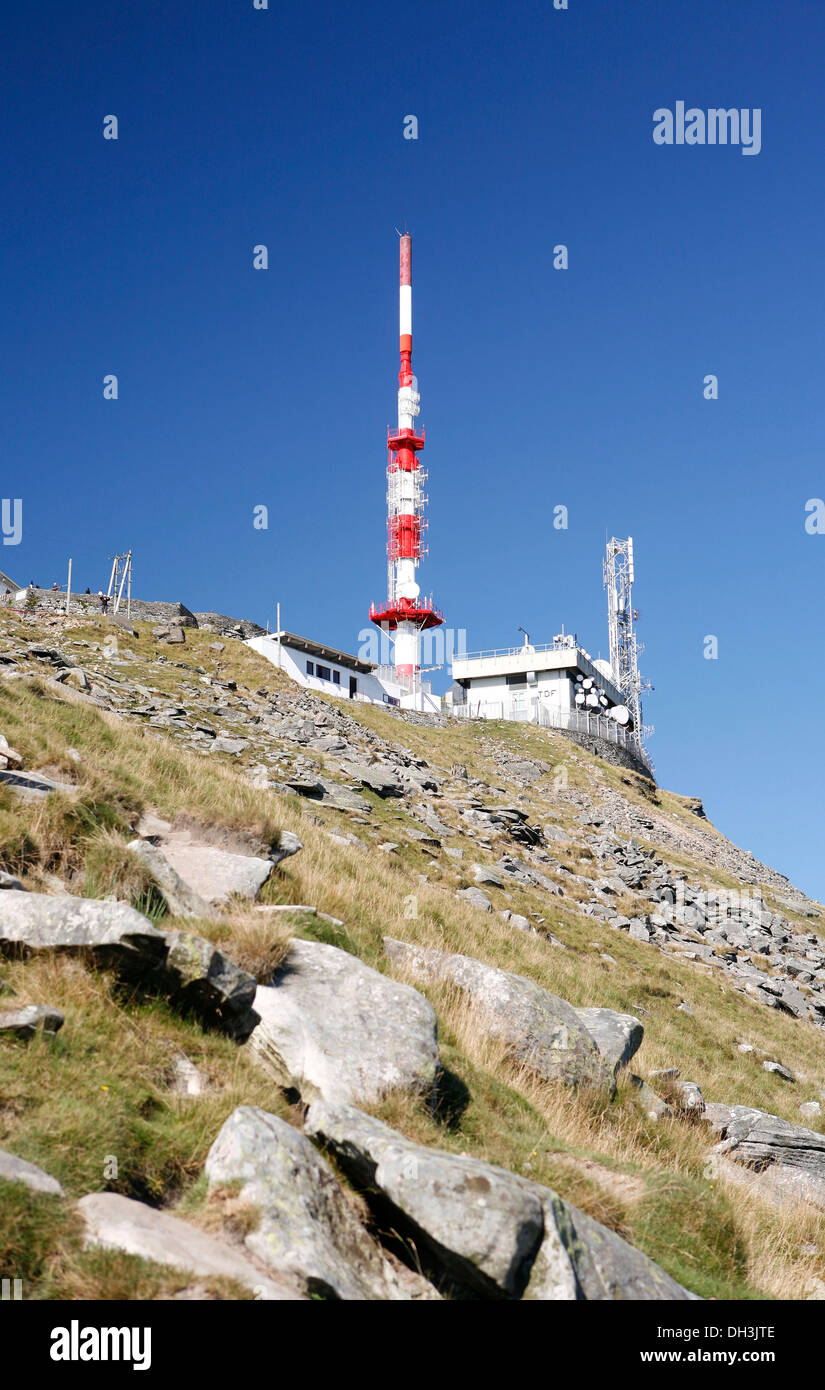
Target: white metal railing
512, 651
536, 712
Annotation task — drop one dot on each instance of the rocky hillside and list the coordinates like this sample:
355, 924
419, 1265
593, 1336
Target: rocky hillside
309, 999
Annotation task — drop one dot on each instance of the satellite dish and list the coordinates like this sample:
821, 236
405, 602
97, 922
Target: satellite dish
409, 590
621, 714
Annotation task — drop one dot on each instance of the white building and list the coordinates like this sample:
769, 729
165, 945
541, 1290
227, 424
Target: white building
328, 671
557, 685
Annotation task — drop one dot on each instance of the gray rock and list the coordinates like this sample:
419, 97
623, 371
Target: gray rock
764, 1143
654, 1107
477, 1222
307, 1231
114, 1222
180, 898
9, 881
542, 1031
332, 1027
778, 1070
617, 1036
484, 874
381, 780
111, 935
228, 745
200, 977
583, 1260
216, 874
811, 1109
475, 898
288, 844
14, 1169
495, 1233
688, 1099
25, 1022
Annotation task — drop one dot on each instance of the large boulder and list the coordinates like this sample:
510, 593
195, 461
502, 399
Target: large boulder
111, 935
114, 1222
789, 1158
541, 1031
617, 1036
307, 1230
192, 971
477, 1223
333, 1027
495, 1234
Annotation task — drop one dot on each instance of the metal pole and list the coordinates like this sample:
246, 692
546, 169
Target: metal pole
69, 587
129, 589
278, 626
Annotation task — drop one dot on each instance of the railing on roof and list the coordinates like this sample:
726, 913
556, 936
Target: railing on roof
518, 651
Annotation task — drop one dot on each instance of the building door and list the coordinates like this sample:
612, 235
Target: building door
353, 686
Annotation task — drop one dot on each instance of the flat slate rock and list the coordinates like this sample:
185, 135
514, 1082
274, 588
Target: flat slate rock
180, 898
792, 1155
112, 934
307, 1231
542, 1031
14, 1169
114, 1222
333, 1027
216, 874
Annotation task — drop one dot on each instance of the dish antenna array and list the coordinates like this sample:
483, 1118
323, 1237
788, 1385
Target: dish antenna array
621, 618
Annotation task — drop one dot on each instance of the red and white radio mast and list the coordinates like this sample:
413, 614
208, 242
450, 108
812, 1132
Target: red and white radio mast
406, 614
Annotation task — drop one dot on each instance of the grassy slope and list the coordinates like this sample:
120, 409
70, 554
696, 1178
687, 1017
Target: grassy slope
102, 1088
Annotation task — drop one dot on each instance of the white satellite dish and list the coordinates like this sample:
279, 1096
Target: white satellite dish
409, 590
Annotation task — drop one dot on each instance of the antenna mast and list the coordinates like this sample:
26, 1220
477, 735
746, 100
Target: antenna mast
625, 650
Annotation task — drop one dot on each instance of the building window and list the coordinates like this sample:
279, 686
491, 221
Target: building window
336, 678
322, 672
310, 669
520, 679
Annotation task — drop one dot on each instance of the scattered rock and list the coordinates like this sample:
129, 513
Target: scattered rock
475, 898
14, 1169
779, 1070
654, 1107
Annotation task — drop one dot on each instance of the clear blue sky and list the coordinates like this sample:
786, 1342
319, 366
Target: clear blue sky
539, 387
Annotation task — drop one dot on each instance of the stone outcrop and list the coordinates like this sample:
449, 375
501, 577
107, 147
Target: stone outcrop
542, 1032
333, 1027
494, 1233
307, 1230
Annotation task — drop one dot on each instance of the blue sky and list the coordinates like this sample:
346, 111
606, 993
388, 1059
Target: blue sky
539, 387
